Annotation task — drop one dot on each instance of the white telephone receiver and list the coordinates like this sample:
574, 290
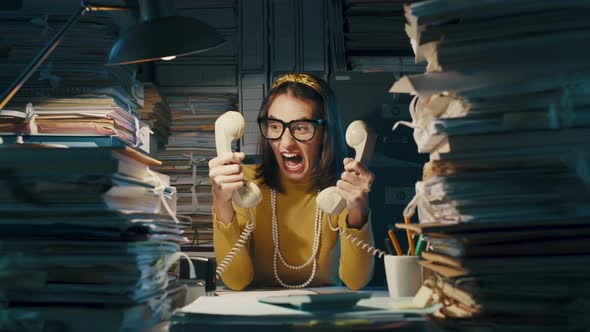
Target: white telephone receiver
229, 126
362, 141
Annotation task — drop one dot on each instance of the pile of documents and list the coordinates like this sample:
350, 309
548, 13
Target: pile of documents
87, 237
72, 94
85, 115
503, 112
374, 39
87, 234
156, 114
186, 156
77, 62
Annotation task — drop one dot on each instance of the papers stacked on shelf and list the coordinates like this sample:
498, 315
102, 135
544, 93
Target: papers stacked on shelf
75, 117
156, 114
373, 37
186, 155
77, 62
72, 93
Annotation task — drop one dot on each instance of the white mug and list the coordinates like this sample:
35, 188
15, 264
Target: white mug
404, 275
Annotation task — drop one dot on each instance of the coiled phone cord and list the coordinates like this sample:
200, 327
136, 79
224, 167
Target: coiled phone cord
244, 236
355, 240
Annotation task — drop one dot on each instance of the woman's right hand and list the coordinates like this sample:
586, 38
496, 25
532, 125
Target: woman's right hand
225, 172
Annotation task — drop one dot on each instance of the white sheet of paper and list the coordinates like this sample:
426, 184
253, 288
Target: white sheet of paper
238, 306
258, 294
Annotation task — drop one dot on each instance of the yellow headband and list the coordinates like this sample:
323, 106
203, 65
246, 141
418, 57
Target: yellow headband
299, 78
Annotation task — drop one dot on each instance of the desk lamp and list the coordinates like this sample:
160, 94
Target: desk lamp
159, 34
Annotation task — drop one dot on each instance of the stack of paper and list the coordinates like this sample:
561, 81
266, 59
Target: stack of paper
156, 114
73, 94
87, 237
373, 37
396, 64
78, 61
503, 113
186, 155
83, 115
119, 179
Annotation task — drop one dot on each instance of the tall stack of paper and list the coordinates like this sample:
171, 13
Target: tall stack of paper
74, 98
503, 113
87, 237
373, 37
87, 234
156, 114
185, 158
78, 61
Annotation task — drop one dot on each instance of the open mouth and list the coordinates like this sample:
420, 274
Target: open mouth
292, 162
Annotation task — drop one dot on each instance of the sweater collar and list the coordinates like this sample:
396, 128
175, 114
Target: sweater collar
304, 184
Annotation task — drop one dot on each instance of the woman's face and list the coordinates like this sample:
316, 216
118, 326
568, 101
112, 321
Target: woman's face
296, 159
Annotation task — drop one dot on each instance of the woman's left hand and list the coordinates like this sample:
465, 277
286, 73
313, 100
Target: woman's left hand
354, 186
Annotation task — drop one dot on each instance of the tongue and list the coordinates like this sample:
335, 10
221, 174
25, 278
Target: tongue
293, 163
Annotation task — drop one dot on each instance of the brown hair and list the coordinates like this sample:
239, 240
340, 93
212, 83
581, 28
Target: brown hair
329, 166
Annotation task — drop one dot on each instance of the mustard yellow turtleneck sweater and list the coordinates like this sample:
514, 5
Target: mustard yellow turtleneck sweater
337, 260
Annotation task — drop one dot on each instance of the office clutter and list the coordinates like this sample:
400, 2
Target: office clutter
77, 62
502, 110
92, 114
156, 114
87, 235
73, 99
88, 230
186, 155
373, 37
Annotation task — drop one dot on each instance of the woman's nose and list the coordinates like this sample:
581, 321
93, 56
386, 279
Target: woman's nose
287, 139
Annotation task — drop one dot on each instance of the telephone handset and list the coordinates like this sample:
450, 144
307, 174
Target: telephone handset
362, 141
230, 126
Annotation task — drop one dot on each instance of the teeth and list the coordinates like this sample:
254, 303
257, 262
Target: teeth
289, 155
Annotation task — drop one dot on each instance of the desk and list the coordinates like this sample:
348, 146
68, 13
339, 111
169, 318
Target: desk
243, 312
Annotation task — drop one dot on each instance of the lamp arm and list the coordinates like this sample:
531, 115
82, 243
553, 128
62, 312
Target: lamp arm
48, 49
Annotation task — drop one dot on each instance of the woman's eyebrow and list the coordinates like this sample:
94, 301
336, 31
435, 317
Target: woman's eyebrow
300, 119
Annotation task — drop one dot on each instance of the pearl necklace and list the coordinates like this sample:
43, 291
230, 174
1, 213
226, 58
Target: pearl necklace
277, 252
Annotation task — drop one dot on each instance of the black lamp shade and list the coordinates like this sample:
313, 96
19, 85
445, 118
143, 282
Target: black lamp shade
163, 37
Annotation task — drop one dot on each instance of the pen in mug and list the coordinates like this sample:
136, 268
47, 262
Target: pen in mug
410, 240
398, 248
389, 246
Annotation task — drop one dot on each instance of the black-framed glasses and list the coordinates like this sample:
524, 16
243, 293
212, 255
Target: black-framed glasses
302, 130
